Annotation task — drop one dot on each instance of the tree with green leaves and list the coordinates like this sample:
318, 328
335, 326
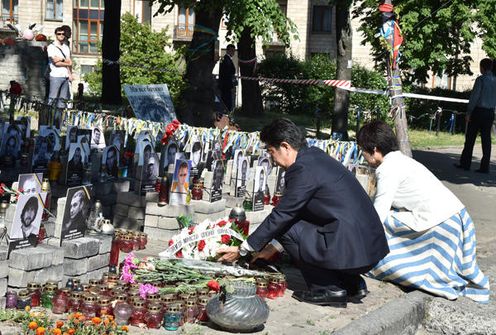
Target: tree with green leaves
143, 58
438, 35
260, 17
486, 18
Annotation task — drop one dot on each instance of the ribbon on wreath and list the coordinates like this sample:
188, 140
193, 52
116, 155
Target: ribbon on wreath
195, 237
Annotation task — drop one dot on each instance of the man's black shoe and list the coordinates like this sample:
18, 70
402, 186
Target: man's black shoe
332, 296
482, 171
359, 292
459, 166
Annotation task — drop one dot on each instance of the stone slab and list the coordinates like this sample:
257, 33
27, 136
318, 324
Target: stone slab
127, 223
137, 213
167, 223
49, 228
19, 278
31, 258
121, 209
131, 199
232, 202
168, 210
151, 197
199, 217
151, 221
103, 188
75, 267
4, 250
259, 216
78, 248
105, 243
4, 268
108, 200
160, 234
205, 207
98, 262
3, 286
121, 186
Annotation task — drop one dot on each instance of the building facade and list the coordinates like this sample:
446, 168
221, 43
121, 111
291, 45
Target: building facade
314, 20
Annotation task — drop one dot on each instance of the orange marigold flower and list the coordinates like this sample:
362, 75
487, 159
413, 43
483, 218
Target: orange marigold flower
71, 331
56, 331
40, 331
96, 320
33, 325
125, 328
59, 324
27, 308
77, 315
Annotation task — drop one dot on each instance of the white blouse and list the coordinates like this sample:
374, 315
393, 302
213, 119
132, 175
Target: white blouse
406, 185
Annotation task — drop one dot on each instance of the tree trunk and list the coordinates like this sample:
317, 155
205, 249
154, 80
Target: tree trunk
111, 84
250, 89
343, 70
198, 108
399, 114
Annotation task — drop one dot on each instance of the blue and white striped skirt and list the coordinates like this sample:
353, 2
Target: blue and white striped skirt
440, 260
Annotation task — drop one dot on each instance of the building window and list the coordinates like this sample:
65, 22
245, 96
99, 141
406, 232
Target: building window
146, 10
54, 10
185, 22
321, 22
283, 5
88, 25
9, 11
87, 69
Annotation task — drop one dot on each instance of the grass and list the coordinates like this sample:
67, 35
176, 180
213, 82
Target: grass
419, 139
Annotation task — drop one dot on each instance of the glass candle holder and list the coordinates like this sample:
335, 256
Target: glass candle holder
114, 250
283, 285
202, 309
34, 291
276, 199
191, 312
143, 240
47, 295
154, 316
89, 307
74, 305
139, 312
105, 306
126, 244
172, 318
262, 290
11, 299
122, 312
273, 289
23, 299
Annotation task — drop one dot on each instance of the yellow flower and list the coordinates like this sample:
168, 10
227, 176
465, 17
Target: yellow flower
27, 308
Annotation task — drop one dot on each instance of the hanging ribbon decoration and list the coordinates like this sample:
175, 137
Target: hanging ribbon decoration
391, 32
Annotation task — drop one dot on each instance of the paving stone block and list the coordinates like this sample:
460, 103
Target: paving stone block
50, 228
31, 258
167, 223
21, 278
81, 247
151, 220
3, 301
105, 243
259, 216
4, 268
9, 215
83, 278
160, 234
127, 223
108, 200
151, 197
98, 262
232, 201
4, 250
103, 188
168, 210
205, 207
199, 217
75, 267
121, 210
96, 274
137, 213
131, 199
3, 287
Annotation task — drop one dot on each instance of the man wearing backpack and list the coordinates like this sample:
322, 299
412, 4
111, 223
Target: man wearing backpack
59, 58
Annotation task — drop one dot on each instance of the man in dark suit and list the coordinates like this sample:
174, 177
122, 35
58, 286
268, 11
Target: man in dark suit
325, 221
227, 79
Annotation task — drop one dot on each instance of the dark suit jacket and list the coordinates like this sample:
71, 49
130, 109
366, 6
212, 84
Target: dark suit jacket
345, 230
226, 73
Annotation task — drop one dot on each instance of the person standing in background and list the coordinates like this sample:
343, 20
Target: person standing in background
480, 117
59, 56
227, 79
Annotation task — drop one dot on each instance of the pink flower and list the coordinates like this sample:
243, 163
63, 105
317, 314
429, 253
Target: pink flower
146, 289
130, 263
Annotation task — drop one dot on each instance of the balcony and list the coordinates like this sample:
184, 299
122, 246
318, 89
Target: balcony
8, 18
183, 32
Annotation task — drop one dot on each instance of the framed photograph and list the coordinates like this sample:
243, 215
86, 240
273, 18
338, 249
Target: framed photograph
151, 102
281, 183
259, 188
241, 177
84, 140
180, 182
264, 161
27, 219
30, 183
110, 161
53, 137
145, 151
149, 173
71, 136
24, 124
12, 140
41, 154
217, 181
238, 156
167, 157
76, 211
75, 164
117, 138
97, 139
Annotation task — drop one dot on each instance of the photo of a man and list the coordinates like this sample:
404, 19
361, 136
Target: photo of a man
53, 138
259, 188
196, 154
12, 147
168, 157
151, 171
30, 183
41, 154
110, 160
75, 166
217, 181
76, 207
180, 183
71, 137
238, 156
281, 182
97, 139
27, 217
241, 177
117, 139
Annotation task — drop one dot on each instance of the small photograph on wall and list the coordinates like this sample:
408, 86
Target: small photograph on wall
97, 139
71, 136
30, 183
281, 182
180, 183
76, 211
75, 165
217, 181
241, 177
110, 161
167, 157
41, 154
259, 188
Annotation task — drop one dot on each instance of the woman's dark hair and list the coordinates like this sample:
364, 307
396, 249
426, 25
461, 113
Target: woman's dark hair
283, 130
32, 203
378, 135
196, 147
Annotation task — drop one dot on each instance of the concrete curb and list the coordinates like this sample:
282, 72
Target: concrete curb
399, 317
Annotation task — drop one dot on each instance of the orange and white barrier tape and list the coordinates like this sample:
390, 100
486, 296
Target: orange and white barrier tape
344, 84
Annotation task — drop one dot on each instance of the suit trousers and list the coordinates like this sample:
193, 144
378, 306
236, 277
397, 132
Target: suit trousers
227, 97
317, 277
481, 120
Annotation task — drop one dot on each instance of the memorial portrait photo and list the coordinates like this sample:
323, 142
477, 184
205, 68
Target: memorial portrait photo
168, 156
281, 182
241, 177
180, 183
53, 138
27, 217
75, 212
71, 136
30, 183
151, 102
117, 138
110, 161
196, 154
75, 165
259, 188
217, 181
97, 139
41, 155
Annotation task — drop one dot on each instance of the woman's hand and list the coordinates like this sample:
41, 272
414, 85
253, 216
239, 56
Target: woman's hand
229, 254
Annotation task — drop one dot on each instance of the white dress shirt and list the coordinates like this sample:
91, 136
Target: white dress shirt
54, 51
406, 185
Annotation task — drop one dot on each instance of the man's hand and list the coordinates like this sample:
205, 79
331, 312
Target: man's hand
56, 59
230, 254
71, 77
267, 253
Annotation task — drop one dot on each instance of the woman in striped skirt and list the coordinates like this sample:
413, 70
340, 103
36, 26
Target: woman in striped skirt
430, 234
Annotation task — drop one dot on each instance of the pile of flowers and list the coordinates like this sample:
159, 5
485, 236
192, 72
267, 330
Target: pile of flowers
205, 249
170, 129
